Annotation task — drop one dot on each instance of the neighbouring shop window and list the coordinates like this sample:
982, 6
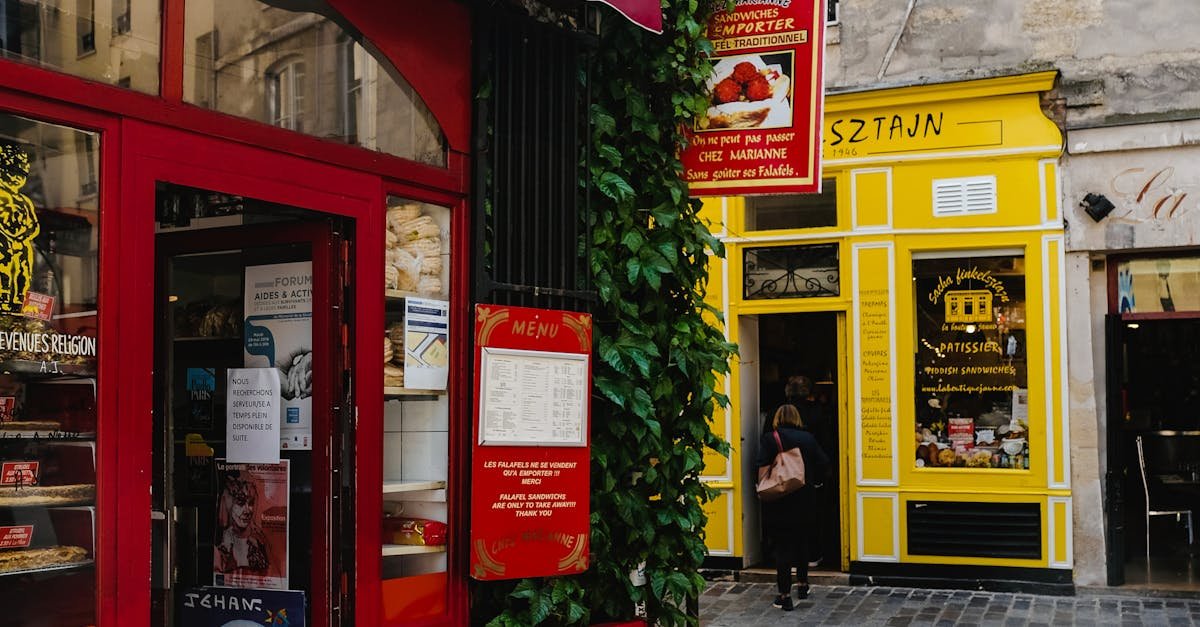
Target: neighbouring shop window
49, 246
793, 211
972, 404
66, 36
791, 271
300, 69
1160, 285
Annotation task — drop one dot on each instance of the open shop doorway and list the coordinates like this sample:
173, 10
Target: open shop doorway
806, 348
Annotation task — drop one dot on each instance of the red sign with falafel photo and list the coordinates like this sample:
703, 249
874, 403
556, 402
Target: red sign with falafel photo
761, 133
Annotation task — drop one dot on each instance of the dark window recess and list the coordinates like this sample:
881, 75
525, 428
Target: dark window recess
831, 12
1000, 530
793, 211
791, 271
530, 218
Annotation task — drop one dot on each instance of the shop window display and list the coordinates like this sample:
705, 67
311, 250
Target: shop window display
48, 358
416, 409
971, 394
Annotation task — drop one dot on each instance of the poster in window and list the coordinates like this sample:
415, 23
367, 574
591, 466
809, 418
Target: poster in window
250, 549
278, 310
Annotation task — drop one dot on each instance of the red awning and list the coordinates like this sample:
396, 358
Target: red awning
644, 13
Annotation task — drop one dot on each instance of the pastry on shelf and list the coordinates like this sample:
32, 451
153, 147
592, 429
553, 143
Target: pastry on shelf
388, 353
431, 265
401, 214
393, 376
391, 278
32, 559
429, 285
69, 494
423, 246
419, 228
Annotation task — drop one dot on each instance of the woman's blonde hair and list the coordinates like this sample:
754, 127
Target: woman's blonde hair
787, 416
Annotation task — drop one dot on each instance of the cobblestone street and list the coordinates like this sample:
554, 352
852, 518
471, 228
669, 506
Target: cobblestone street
731, 604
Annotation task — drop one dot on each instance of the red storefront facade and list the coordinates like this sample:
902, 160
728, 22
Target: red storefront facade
286, 196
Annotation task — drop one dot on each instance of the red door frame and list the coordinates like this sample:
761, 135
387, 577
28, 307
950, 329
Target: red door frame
159, 154
325, 370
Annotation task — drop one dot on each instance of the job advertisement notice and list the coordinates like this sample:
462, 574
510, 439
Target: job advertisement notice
252, 416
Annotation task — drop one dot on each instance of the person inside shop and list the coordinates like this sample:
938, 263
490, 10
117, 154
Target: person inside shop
819, 420
790, 521
241, 543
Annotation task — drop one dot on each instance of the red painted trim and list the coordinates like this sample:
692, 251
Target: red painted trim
368, 398
161, 154
171, 64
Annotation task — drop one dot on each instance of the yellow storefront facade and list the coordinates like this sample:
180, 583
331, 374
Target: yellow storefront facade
930, 272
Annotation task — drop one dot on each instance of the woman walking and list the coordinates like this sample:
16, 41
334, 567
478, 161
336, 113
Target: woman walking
790, 521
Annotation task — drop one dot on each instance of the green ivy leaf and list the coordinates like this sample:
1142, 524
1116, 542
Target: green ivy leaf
614, 186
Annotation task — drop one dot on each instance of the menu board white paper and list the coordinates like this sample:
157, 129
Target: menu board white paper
533, 398
426, 343
252, 416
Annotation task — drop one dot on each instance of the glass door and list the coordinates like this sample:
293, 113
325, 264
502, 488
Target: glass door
249, 411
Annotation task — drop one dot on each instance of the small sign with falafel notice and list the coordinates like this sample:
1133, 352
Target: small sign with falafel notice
761, 131
252, 416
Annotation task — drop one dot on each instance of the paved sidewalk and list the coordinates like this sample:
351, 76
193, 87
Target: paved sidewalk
732, 604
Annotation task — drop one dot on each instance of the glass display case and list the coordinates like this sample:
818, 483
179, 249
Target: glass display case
416, 409
48, 367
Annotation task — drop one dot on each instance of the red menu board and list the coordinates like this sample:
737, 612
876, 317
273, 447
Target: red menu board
530, 475
761, 133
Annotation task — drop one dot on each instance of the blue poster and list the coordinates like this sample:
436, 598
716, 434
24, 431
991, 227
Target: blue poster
234, 607
201, 386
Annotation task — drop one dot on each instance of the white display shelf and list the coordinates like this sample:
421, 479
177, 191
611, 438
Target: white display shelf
406, 549
394, 391
401, 295
393, 487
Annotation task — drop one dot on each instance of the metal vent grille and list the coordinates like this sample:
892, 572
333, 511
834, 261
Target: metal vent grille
1004, 530
972, 195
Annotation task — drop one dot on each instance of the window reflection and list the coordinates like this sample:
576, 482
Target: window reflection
111, 41
303, 71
